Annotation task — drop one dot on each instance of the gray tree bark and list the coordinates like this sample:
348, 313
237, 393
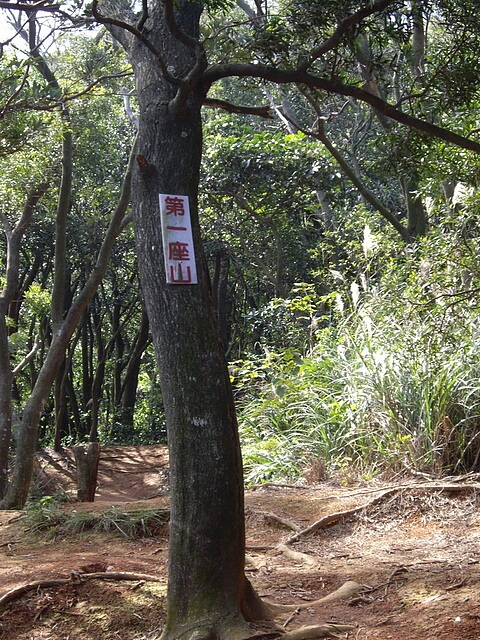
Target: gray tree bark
208, 596
14, 235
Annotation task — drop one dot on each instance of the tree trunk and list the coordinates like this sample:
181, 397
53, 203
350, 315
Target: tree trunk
60, 403
19, 486
206, 551
126, 404
5, 404
416, 213
87, 471
14, 237
207, 594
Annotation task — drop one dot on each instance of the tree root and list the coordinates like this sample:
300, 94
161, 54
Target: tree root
334, 517
297, 556
273, 517
75, 578
235, 631
329, 630
347, 590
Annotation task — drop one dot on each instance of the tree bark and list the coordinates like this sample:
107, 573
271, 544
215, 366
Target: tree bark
128, 395
14, 236
207, 592
5, 404
87, 471
206, 550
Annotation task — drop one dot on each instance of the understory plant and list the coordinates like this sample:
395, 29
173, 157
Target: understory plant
47, 516
393, 384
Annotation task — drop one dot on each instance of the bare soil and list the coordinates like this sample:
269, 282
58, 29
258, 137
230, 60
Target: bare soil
416, 552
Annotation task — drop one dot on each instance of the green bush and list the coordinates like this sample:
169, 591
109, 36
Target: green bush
392, 385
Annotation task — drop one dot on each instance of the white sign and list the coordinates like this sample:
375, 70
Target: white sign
178, 247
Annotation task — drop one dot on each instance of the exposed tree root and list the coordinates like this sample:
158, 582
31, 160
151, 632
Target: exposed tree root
16, 517
235, 629
269, 517
297, 556
74, 578
334, 517
328, 630
347, 590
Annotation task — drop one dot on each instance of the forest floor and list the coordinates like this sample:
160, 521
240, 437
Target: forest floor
414, 548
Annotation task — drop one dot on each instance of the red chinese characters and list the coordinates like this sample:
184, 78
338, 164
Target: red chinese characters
178, 245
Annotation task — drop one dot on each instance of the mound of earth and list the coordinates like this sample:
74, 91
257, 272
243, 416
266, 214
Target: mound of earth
414, 548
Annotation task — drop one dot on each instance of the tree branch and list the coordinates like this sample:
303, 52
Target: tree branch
370, 197
144, 16
289, 76
14, 238
195, 74
31, 8
17, 92
346, 24
263, 112
177, 33
28, 358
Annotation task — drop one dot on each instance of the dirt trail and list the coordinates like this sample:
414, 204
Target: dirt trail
417, 553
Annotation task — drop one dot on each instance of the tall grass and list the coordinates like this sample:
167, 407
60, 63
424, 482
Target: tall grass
393, 385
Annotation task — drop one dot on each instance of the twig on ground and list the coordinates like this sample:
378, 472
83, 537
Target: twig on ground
291, 617
457, 585
13, 519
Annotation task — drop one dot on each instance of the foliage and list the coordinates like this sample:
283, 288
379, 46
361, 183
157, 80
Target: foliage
47, 516
345, 345
392, 386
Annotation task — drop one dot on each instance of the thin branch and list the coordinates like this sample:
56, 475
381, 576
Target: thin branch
370, 197
128, 107
144, 16
195, 74
28, 358
246, 8
177, 33
346, 24
31, 8
17, 91
14, 237
296, 76
66, 98
263, 111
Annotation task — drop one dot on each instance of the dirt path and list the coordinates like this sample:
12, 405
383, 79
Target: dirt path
416, 552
